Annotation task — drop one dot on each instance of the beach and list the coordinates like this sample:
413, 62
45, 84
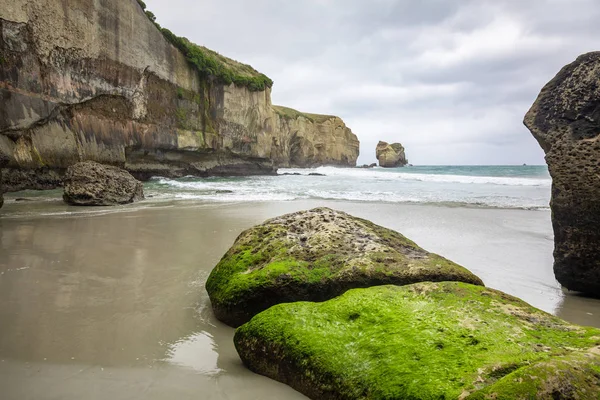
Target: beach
110, 303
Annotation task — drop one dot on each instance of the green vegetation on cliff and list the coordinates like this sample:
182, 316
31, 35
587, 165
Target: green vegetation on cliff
446, 340
290, 113
209, 63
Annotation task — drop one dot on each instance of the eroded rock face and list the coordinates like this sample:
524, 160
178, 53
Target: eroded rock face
92, 184
445, 340
98, 81
565, 120
311, 140
316, 255
390, 155
3, 162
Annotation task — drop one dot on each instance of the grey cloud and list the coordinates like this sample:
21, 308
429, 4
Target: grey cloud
451, 79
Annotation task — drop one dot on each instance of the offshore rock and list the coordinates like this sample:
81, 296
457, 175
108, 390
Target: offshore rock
447, 340
96, 80
91, 184
390, 155
565, 120
316, 255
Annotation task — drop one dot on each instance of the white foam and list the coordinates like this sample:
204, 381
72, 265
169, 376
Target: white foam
386, 174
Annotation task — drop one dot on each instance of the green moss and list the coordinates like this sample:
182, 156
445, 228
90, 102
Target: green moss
212, 65
303, 256
421, 341
181, 117
290, 113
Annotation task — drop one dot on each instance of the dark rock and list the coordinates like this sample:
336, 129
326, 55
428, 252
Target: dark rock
424, 341
291, 173
89, 183
3, 162
315, 174
390, 155
316, 255
373, 165
565, 120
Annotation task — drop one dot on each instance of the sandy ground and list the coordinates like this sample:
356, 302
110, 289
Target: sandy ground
110, 303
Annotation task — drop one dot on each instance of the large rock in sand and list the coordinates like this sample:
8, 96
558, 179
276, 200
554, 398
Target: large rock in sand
3, 162
89, 183
565, 120
316, 255
424, 341
390, 155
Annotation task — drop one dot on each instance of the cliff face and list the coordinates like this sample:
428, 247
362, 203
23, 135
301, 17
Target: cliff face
96, 80
565, 120
307, 140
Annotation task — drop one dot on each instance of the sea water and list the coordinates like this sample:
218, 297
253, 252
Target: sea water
518, 187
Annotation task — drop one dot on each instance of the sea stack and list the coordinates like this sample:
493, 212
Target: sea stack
390, 155
565, 120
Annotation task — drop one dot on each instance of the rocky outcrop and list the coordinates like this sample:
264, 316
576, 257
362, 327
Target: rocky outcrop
89, 80
310, 140
316, 255
3, 161
91, 184
390, 155
565, 120
446, 340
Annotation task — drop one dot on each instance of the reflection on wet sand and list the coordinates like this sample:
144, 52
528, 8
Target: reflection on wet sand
112, 304
579, 310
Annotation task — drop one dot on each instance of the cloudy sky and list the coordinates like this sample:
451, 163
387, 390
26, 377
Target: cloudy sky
449, 79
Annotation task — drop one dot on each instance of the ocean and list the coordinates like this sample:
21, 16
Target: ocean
513, 187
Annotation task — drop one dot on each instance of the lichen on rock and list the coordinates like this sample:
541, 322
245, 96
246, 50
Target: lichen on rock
89, 183
447, 340
316, 255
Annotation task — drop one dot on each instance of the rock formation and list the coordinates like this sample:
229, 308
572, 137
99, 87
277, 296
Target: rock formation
446, 340
565, 120
312, 140
316, 255
390, 155
3, 161
88, 183
99, 81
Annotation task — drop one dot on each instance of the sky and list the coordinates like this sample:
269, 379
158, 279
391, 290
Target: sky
449, 79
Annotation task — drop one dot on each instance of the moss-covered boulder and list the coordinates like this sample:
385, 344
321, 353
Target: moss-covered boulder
316, 255
430, 340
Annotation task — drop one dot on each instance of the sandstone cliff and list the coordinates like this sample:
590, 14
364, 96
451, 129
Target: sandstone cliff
96, 80
308, 140
390, 155
565, 120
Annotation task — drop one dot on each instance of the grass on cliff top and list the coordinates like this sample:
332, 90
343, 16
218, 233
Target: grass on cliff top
290, 113
424, 341
209, 63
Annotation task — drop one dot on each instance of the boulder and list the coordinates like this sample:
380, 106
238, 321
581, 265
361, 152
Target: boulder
89, 183
316, 255
3, 162
390, 155
565, 120
445, 340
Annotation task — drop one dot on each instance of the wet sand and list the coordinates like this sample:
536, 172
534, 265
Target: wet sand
110, 303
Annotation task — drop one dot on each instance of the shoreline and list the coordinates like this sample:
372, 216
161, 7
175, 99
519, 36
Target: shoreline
114, 297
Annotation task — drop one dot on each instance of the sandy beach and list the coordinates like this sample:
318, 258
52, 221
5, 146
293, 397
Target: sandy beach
110, 303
